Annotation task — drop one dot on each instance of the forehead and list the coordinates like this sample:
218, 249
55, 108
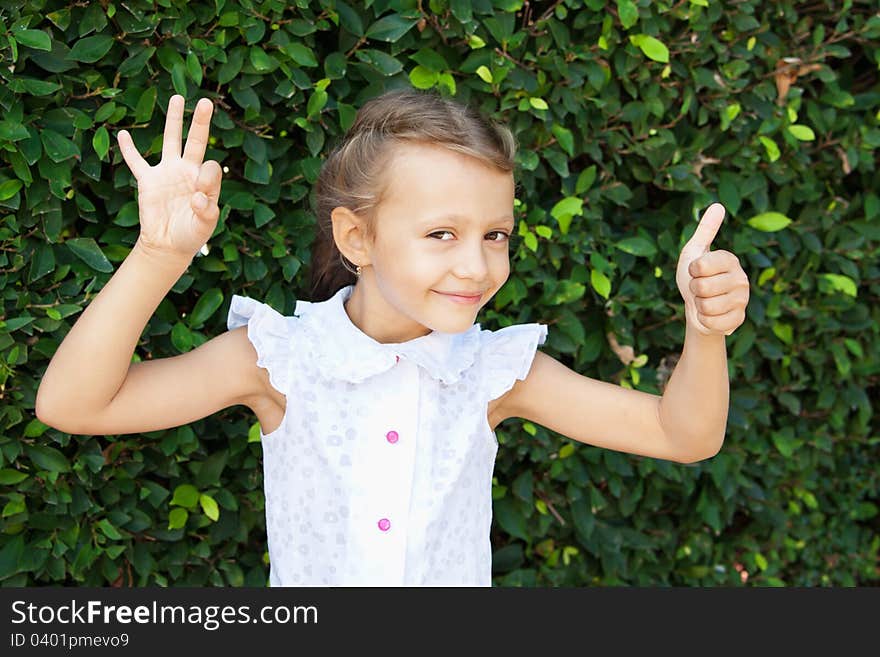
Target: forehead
452, 182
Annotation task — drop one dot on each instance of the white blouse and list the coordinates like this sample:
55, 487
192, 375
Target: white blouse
380, 473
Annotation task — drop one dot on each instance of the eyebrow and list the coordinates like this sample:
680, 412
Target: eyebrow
455, 217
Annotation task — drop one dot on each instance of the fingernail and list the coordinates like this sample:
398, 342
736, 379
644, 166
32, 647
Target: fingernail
200, 200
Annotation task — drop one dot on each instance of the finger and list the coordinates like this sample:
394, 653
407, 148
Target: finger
713, 263
722, 323
204, 208
173, 127
708, 227
716, 306
208, 180
136, 164
712, 286
197, 139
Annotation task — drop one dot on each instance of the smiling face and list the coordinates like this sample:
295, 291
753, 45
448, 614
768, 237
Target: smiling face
442, 226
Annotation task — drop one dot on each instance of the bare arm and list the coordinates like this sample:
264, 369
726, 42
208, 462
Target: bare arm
694, 406
90, 365
178, 212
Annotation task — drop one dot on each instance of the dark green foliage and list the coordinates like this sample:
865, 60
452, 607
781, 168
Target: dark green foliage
632, 117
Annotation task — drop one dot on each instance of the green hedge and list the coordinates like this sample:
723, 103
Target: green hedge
632, 117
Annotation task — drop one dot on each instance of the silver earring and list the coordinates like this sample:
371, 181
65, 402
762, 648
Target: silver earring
342, 260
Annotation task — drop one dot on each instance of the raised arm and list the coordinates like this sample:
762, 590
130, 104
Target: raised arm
92, 367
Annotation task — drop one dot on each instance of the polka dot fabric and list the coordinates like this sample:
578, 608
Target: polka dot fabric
380, 473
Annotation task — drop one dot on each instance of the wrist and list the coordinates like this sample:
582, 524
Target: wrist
159, 257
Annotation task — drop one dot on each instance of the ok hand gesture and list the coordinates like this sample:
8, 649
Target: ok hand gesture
177, 198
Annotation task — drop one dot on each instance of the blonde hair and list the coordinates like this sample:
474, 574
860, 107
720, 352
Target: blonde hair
353, 174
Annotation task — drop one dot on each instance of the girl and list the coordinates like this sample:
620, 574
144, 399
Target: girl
378, 400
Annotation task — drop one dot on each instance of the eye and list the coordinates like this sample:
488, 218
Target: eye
505, 236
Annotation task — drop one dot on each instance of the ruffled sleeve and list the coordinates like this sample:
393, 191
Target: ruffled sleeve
269, 332
507, 355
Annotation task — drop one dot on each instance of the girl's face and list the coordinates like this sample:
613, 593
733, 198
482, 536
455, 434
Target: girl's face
442, 227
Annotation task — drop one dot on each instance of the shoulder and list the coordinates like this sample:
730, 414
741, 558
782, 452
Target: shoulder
242, 358
513, 402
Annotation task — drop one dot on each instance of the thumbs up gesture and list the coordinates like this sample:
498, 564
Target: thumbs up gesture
713, 285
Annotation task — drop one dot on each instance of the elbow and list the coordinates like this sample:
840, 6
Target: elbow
705, 451
47, 416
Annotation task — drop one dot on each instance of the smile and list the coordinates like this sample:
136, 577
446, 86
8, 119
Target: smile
455, 298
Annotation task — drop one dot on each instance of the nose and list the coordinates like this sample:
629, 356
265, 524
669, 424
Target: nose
471, 260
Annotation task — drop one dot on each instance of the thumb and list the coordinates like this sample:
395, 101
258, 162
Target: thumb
707, 229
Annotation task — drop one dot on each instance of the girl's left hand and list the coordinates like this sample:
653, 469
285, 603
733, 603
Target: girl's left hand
713, 285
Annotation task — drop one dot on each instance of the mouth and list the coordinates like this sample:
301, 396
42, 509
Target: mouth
461, 298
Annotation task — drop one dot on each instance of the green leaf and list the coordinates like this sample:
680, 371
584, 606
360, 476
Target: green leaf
565, 138
58, 147
600, 283
10, 477
9, 188
11, 555
194, 68
538, 103
33, 86
91, 49
628, 13
181, 337
567, 291
185, 495
178, 78
583, 518
48, 458
36, 39
380, 61
585, 179
301, 54
87, 250
13, 131
510, 518
109, 530
485, 74
769, 222
841, 283
101, 142
349, 19
177, 518
422, 78
802, 132
316, 102
652, 47
205, 307
638, 246
262, 62
209, 506
568, 205
211, 469
771, 148
565, 210
430, 59
522, 486
390, 28
462, 10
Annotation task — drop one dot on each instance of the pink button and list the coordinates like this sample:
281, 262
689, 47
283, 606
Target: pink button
391, 436
384, 524
398, 359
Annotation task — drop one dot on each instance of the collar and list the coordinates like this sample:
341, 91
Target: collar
343, 351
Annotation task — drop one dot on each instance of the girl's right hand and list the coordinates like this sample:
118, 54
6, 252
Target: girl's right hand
172, 221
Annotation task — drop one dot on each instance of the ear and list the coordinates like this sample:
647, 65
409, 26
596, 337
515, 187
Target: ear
350, 235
